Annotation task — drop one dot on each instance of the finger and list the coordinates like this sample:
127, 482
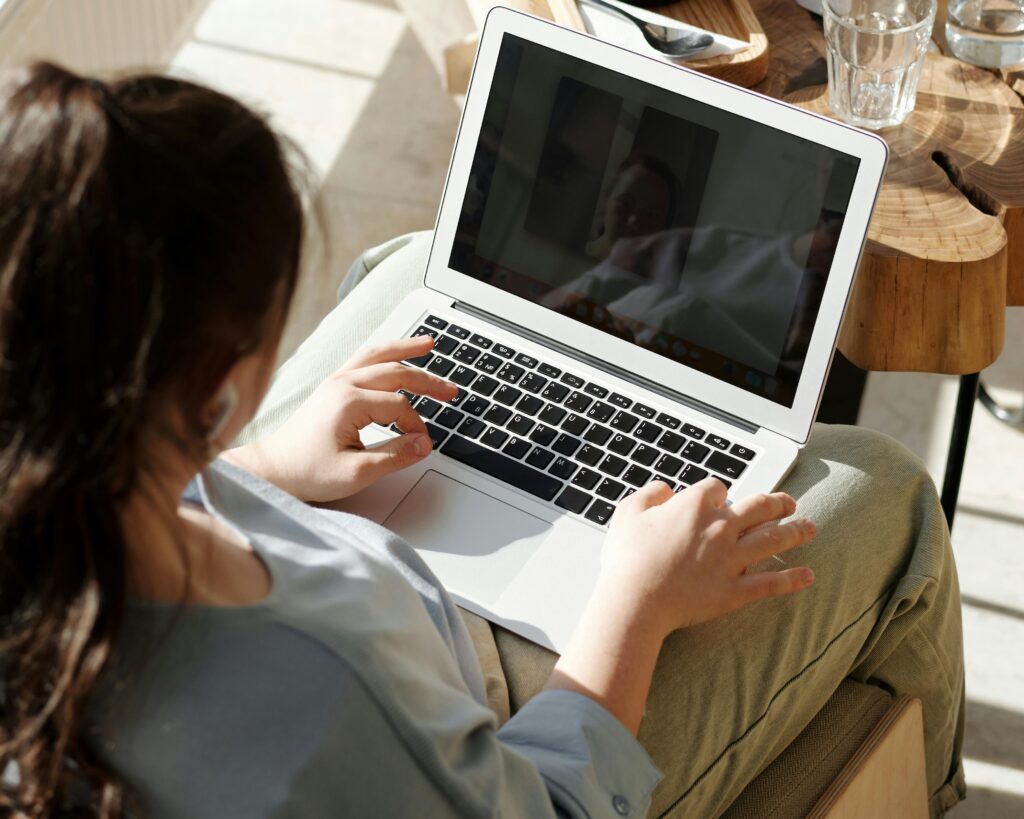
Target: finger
763, 585
376, 462
395, 350
651, 494
709, 491
756, 510
393, 377
772, 540
386, 408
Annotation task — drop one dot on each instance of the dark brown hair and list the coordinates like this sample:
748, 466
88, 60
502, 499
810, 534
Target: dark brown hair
149, 235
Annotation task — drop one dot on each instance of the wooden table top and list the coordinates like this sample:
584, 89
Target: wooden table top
945, 253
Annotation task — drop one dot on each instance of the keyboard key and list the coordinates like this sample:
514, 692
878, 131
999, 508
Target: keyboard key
562, 468
573, 499
645, 455
590, 455
668, 465
472, 427
601, 412
586, 478
520, 424
636, 475
695, 452
426, 331
504, 469
437, 434
742, 452
485, 385
480, 341
610, 489
552, 414
494, 437
730, 467
458, 398
489, 364
510, 373
497, 415
620, 400
440, 366
445, 344
527, 361
449, 418
517, 447
554, 392
648, 432
718, 442
427, 407
573, 381
692, 474
578, 402
543, 435
693, 432
594, 389
507, 395
612, 465
462, 375
503, 351
624, 421
622, 444
671, 484
533, 383
566, 444
458, 332
668, 420
475, 405
671, 441
644, 410
549, 371
530, 404
597, 434
600, 512
466, 354
434, 321
420, 360
575, 424
539, 457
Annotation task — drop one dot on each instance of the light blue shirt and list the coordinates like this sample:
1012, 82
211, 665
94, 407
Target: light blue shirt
351, 690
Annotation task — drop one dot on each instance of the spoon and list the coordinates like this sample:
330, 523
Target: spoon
671, 41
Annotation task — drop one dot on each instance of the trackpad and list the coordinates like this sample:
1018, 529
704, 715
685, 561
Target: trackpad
474, 543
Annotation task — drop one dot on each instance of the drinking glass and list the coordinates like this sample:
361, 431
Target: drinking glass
989, 33
875, 52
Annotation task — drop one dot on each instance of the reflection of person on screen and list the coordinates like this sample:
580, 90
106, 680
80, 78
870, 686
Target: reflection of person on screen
642, 200
724, 288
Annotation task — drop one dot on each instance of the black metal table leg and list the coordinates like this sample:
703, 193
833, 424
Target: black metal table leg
958, 444
1015, 418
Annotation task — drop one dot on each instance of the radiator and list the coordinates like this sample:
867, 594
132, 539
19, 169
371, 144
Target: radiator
96, 36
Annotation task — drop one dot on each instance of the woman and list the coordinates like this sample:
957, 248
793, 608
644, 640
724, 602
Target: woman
212, 646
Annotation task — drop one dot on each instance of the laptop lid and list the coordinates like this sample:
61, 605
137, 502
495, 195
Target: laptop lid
697, 234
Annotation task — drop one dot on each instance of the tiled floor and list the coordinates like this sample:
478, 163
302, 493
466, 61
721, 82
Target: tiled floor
354, 85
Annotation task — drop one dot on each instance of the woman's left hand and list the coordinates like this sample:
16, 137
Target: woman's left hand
317, 454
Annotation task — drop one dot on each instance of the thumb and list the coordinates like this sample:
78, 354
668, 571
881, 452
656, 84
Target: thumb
392, 455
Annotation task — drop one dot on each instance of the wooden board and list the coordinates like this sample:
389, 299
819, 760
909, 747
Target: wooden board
733, 18
934, 285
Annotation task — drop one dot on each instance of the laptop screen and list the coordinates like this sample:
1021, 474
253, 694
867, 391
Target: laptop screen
690, 231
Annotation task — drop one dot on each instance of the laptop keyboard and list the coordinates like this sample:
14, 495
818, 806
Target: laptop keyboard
555, 435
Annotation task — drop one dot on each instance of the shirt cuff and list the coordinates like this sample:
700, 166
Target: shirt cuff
593, 766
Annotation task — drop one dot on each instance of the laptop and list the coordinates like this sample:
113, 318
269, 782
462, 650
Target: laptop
638, 272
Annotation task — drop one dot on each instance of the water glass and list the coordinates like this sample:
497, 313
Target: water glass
875, 52
989, 33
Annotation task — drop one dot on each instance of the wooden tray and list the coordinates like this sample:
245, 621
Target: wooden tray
733, 18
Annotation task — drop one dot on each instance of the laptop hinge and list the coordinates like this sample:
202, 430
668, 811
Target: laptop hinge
618, 372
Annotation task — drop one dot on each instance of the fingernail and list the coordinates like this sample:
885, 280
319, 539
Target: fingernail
807, 576
809, 526
421, 444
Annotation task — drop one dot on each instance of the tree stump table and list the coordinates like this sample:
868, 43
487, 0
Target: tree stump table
945, 251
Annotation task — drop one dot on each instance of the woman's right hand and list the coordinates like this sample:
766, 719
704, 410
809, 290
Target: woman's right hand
680, 559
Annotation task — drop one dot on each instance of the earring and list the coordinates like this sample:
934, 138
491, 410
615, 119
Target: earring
228, 401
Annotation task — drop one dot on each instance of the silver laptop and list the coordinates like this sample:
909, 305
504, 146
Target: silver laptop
637, 272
